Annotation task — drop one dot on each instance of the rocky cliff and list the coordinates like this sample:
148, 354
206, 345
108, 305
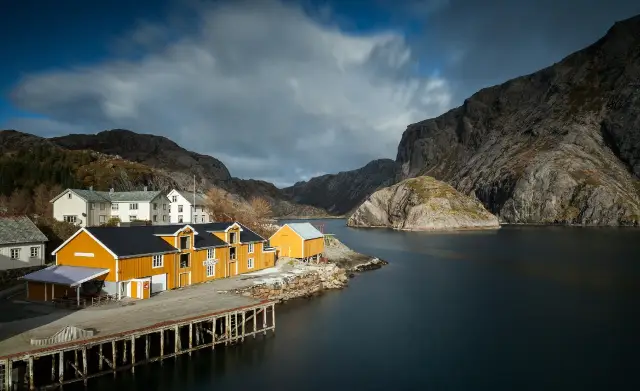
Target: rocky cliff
422, 203
341, 193
561, 145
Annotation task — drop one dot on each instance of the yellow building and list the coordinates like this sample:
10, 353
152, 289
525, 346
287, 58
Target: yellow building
138, 261
298, 240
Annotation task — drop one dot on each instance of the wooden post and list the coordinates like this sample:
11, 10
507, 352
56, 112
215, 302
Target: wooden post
198, 334
100, 358
177, 342
8, 372
273, 317
61, 367
53, 368
227, 326
190, 337
146, 347
114, 357
243, 314
161, 345
85, 365
255, 323
31, 380
124, 351
214, 324
75, 359
264, 320
133, 354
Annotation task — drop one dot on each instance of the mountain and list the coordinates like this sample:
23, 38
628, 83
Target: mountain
340, 193
124, 160
561, 145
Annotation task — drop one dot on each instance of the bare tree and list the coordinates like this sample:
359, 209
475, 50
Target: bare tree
261, 208
20, 202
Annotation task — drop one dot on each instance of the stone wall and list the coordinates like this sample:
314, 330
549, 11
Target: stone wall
9, 278
300, 282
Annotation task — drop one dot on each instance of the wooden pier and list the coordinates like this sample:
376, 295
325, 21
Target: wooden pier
54, 366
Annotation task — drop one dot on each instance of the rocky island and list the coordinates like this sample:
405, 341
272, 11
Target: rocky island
422, 204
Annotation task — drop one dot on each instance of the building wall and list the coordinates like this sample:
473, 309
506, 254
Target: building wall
313, 247
287, 242
160, 214
97, 209
36, 291
189, 214
141, 267
77, 253
74, 206
24, 260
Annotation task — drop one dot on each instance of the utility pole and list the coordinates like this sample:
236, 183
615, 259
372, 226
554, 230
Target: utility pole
193, 208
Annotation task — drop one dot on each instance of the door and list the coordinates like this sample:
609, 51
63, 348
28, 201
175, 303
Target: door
184, 279
158, 283
133, 290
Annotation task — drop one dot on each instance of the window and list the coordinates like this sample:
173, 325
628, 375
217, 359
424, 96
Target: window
15, 253
103, 219
211, 253
174, 198
157, 261
92, 206
250, 263
70, 219
184, 260
114, 206
180, 219
34, 252
232, 253
232, 237
179, 208
250, 248
184, 242
69, 195
133, 206
164, 217
164, 206
133, 217
211, 269
102, 206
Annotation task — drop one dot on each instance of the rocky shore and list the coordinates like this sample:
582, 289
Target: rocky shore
292, 279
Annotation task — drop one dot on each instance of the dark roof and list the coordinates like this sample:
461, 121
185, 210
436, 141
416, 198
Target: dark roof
130, 241
206, 239
246, 235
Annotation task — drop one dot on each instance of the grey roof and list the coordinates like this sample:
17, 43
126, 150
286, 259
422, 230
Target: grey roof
201, 199
306, 230
65, 275
116, 196
19, 229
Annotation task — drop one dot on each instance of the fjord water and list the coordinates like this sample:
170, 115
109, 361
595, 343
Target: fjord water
521, 308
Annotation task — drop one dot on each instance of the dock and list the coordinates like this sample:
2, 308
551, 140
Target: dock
61, 347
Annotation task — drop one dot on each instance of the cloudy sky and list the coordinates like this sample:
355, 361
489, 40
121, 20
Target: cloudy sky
279, 90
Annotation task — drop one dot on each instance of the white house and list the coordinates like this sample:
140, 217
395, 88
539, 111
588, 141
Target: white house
185, 210
21, 243
88, 208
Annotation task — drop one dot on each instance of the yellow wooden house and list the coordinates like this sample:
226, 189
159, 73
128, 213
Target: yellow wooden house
139, 261
298, 240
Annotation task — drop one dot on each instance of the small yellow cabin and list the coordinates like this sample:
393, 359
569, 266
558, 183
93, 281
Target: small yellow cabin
298, 240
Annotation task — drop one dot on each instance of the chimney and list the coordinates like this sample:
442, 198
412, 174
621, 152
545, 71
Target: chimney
145, 188
111, 190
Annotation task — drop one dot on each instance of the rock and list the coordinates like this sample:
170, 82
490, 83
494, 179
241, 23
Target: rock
422, 203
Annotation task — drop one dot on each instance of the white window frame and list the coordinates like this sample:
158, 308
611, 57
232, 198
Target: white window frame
251, 248
69, 195
15, 254
233, 237
34, 252
102, 219
164, 217
174, 198
133, 217
157, 261
115, 207
70, 218
133, 206
155, 218
180, 219
188, 242
211, 253
250, 263
211, 269
180, 209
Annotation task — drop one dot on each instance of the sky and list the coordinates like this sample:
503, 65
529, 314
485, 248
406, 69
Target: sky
278, 90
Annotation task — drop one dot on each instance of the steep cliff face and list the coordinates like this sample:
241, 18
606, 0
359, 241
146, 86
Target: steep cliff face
419, 204
340, 193
561, 145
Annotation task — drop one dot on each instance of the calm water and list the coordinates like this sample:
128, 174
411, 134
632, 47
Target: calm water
516, 309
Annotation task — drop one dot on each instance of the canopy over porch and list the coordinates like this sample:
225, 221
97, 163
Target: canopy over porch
72, 276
